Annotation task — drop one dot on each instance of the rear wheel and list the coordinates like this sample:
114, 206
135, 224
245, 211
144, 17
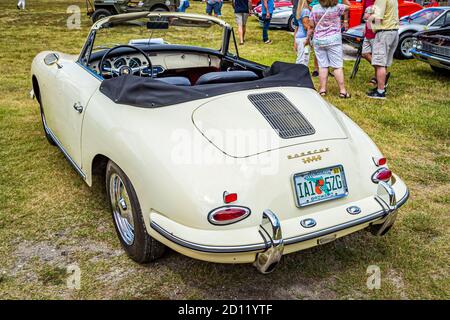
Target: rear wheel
405, 44
128, 219
291, 25
100, 14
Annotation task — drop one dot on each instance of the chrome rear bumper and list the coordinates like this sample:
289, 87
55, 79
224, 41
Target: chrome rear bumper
267, 261
270, 250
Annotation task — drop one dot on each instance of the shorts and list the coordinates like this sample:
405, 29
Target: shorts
367, 46
384, 46
241, 18
330, 56
213, 7
302, 54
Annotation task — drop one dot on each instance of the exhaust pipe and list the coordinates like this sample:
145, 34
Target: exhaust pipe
267, 261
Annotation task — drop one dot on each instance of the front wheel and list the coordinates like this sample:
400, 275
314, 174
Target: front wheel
100, 14
405, 44
128, 219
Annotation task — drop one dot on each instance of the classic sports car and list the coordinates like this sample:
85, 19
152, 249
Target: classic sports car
217, 157
426, 19
433, 47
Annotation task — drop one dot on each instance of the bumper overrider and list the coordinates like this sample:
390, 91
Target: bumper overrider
267, 254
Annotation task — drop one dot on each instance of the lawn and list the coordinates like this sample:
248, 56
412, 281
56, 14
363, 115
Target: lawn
50, 219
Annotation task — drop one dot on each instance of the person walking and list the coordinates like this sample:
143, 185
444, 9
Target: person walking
301, 41
242, 9
214, 6
267, 11
21, 4
385, 22
325, 22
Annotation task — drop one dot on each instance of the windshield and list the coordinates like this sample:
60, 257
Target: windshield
161, 29
424, 17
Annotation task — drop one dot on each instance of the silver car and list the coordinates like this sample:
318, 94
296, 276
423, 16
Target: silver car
425, 19
282, 17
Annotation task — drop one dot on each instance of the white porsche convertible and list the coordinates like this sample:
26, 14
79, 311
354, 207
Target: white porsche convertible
217, 157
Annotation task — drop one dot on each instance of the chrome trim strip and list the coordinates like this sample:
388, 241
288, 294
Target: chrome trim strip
206, 248
430, 58
99, 77
59, 145
346, 225
264, 246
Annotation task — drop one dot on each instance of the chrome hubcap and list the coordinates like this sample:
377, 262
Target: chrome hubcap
406, 47
121, 207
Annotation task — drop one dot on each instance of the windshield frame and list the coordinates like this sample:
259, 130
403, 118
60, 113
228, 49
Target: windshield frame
227, 34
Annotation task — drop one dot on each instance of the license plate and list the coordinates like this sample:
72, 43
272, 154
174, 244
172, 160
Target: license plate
320, 185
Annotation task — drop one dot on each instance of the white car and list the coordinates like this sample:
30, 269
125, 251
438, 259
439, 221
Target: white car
217, 157
282, 17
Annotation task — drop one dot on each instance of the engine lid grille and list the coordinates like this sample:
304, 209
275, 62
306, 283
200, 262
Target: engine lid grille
282, 115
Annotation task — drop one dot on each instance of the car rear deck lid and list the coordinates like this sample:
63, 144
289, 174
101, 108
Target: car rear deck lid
282, 115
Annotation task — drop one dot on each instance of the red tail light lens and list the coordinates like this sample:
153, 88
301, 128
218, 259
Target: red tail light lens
229, 197
382, 174
228, 215
379, 161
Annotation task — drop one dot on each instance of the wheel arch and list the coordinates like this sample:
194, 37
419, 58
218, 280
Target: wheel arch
97, 169
36, 89
160, 6
110, 8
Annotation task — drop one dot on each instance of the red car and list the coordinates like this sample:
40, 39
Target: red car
277, 3
405, 8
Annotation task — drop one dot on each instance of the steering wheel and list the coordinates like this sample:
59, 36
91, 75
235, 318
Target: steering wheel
143, 70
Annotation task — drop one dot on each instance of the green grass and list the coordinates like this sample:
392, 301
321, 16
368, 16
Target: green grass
50, 219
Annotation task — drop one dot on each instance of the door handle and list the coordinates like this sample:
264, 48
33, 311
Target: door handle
78, 107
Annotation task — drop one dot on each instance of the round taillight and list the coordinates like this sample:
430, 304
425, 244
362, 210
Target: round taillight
382, 174
228, 215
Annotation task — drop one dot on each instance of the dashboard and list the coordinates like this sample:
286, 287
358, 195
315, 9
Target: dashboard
161, 61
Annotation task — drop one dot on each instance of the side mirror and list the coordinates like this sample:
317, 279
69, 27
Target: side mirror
51, 59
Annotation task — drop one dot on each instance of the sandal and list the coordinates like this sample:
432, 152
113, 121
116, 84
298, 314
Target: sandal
323, 93
345, 95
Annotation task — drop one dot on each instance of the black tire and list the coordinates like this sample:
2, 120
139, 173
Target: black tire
290, 25
144, 248
440, 71
100, 14
47, 135
402, 41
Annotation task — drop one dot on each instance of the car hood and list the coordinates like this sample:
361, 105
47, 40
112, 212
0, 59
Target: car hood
236, 126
